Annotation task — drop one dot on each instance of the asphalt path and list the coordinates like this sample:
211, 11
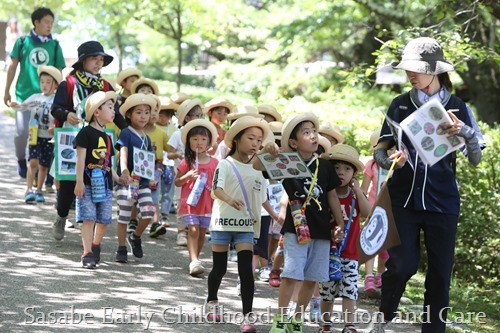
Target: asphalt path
43, 287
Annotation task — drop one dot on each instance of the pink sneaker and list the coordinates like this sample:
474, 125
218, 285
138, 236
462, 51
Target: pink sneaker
370, 284
274, 278
378, 280
247, 325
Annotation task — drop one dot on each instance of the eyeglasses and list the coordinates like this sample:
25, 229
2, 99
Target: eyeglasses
197, 115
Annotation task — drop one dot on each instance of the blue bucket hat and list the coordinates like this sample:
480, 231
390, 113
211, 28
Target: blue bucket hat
91, 48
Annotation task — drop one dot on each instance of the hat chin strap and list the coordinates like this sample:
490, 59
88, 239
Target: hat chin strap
426, 89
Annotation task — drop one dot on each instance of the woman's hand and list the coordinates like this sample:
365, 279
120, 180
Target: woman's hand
402, 157
454, 127
72, 119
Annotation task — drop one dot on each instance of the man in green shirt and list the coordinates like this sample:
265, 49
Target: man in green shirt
36, 49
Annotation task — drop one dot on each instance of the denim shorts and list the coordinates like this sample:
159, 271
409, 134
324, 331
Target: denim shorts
306, 262
201, 221
226, 237
155, 196
43, 151
100, 212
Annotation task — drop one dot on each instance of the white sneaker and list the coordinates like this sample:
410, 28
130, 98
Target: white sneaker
233, 255
181, 239
264, 273
195, 268
314, 310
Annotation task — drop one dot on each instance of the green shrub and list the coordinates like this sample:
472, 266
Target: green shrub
478, 237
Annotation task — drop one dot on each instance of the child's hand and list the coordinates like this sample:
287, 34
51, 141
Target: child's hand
236, 204
354, 183
272, 148
72, 119
79, 189
125, 178
192, 174
14, 105
338, 234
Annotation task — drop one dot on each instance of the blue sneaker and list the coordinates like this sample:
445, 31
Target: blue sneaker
30, 197
39, 197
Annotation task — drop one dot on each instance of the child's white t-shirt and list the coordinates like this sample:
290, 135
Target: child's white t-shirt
40, 106
227, 218
175, 142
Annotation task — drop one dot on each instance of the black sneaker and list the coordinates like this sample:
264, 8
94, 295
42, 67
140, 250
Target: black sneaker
157, 229
121, 254
96, 250
132, 226
88, 261
135, 243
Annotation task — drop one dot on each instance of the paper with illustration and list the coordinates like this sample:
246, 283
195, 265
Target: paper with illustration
286, 165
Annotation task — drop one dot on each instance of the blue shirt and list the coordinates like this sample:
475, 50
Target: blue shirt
130, 140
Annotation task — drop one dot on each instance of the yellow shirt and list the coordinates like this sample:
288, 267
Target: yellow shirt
159, 141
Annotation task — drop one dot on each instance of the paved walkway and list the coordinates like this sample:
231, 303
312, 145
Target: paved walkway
44, 289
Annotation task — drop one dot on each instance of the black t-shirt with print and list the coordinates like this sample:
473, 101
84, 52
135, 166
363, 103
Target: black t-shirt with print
297, 189
99, 152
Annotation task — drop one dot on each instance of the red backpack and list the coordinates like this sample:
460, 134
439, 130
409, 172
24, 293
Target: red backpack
70, 87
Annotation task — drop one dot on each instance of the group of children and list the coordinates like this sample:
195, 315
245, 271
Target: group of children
221, 185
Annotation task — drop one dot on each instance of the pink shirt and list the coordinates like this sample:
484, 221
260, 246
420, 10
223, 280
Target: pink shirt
204, 205
371, 170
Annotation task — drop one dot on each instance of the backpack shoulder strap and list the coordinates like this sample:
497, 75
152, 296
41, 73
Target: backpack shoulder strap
70, 87
21, 44
107, 86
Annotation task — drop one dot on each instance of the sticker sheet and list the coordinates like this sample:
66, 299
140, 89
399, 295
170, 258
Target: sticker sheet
286, 165
144, 163
425, 129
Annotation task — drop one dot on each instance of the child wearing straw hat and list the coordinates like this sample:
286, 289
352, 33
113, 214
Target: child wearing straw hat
145, 86
316, 197
126, 79
373, 177
95, 175
217, 111
165, 121
332, 132
270, 113
41, 150
239, 192
195, 175
345, 160
137, 110
189, 110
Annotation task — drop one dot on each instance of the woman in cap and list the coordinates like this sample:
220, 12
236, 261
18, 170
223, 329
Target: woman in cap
423, 197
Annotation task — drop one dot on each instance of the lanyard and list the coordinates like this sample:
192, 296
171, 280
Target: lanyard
245, 195
311, 187
143, 138
347, 226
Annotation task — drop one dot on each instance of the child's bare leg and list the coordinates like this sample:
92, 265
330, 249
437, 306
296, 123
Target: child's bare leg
100, 231
30, 174
143, 224
305, 294
285, 294
121, 232
87, 236
42, 174
192, 245
326, 311
348, 308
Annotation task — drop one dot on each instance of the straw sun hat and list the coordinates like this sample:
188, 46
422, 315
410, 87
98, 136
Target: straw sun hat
145, 81
137, 99
185, 107
374, 139
199, 123
324, 142
292, 122
269, 110
424, 55
244, 110
332, 130
168, 104
346, 153
95, 100
52, 71
126, 73
243, 123
216, 102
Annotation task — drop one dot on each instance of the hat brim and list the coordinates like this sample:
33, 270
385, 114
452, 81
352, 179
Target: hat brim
243, 123
272, 113
185, 107
199, 123
107, 59
208, 107
126, 73
137, 99
334, 134
341, 156
52, 71
291, 123
424, 67
145, 81
108, 95
236, 116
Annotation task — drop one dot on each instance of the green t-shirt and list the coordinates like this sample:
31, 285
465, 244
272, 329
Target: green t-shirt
32, 56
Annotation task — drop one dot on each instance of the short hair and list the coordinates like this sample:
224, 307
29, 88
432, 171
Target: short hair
40, 13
